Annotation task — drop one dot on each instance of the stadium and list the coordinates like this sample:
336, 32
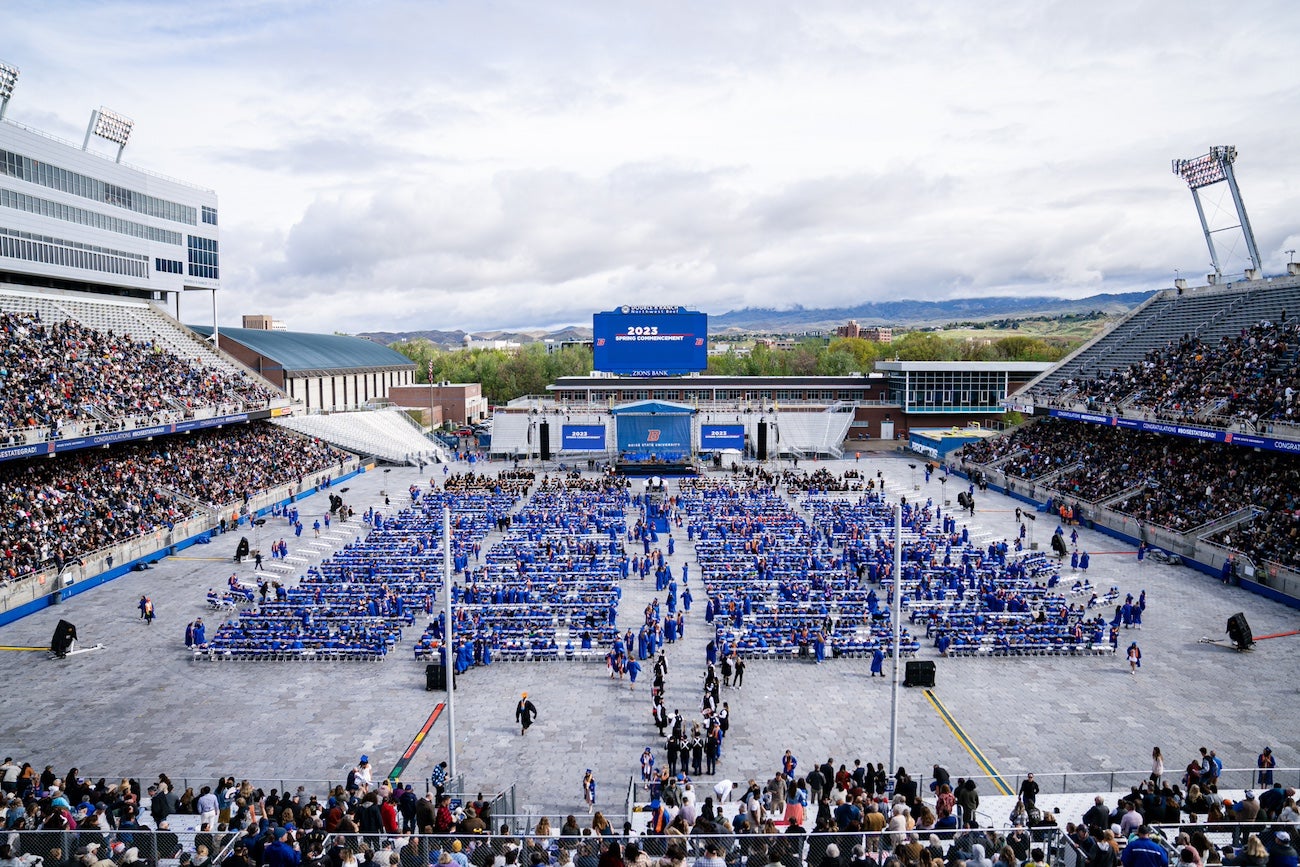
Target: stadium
208, 586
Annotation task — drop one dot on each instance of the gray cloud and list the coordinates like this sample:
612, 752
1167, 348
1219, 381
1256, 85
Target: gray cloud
402, 163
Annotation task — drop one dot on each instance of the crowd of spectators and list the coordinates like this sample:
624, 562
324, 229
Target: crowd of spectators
1184, 483
1271, 537
1251, 376
52, 373
55, 510
858, 817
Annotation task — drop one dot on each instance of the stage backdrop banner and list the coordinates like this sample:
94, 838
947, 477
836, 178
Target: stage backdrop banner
582, 437
714, 437
654, 433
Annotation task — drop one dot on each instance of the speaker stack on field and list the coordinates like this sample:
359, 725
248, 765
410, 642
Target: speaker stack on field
919, 672
1239, 632
64, 634
544, 441
762, 440
435, 677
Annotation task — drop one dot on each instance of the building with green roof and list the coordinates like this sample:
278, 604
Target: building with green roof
327, 372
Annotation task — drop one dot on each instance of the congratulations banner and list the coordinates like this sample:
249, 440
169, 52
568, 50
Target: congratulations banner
1183, 430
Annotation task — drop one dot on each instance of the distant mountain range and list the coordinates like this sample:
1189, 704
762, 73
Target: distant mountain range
799, 319
457, 339
917, 313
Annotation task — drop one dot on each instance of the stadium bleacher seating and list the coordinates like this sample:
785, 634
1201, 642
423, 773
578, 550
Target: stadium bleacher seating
510, 434
812, 433
1209, 314
388, 434
104, 352
70, 505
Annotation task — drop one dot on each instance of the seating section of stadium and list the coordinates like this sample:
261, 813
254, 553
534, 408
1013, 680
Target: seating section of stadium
69, 505
1167, 320
812, 433
72, 366
1247, 377
388, 434
511, 434
1171, 482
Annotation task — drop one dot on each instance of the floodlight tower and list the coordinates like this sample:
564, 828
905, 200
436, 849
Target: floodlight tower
110, 125
1213, 168
8, 77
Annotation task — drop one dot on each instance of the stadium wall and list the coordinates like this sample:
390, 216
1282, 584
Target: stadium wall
36, 592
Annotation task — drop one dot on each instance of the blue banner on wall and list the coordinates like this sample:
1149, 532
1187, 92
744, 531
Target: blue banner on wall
72, 444
714, 437
1182, 430
582, 437
654, 434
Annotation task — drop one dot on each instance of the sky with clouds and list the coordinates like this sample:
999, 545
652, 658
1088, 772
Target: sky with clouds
404, 165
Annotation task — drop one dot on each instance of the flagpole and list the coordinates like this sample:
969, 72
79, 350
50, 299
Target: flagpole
451, 644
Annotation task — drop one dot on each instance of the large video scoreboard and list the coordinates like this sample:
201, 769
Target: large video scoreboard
650, 341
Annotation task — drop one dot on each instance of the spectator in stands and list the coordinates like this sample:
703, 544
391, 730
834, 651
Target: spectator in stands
1142, 851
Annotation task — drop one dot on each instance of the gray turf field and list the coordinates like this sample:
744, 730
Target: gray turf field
142, 706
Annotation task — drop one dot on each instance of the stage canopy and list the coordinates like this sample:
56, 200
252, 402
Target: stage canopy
653, 429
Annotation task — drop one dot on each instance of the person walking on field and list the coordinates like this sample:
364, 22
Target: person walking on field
589, 790
1134, 658
525, 713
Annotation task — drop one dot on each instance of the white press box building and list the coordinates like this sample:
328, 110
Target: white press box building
74, 219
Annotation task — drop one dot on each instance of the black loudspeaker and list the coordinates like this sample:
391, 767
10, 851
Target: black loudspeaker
435, 677
1239, 631
919, 672
762, 441
544, 435
64, 634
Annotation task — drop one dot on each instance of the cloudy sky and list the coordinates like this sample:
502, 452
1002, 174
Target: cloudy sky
401, 165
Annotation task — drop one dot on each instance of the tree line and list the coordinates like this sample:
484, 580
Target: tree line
506, 374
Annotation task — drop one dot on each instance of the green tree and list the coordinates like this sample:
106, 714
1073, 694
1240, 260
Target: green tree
1022, 348
865, 352
922, 346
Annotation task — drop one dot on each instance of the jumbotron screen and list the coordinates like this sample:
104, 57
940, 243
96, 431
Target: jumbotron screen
650, 341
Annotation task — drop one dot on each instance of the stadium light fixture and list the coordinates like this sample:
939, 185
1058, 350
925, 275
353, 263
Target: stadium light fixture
109, 125
1212, 168
8, 78
1208, 169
